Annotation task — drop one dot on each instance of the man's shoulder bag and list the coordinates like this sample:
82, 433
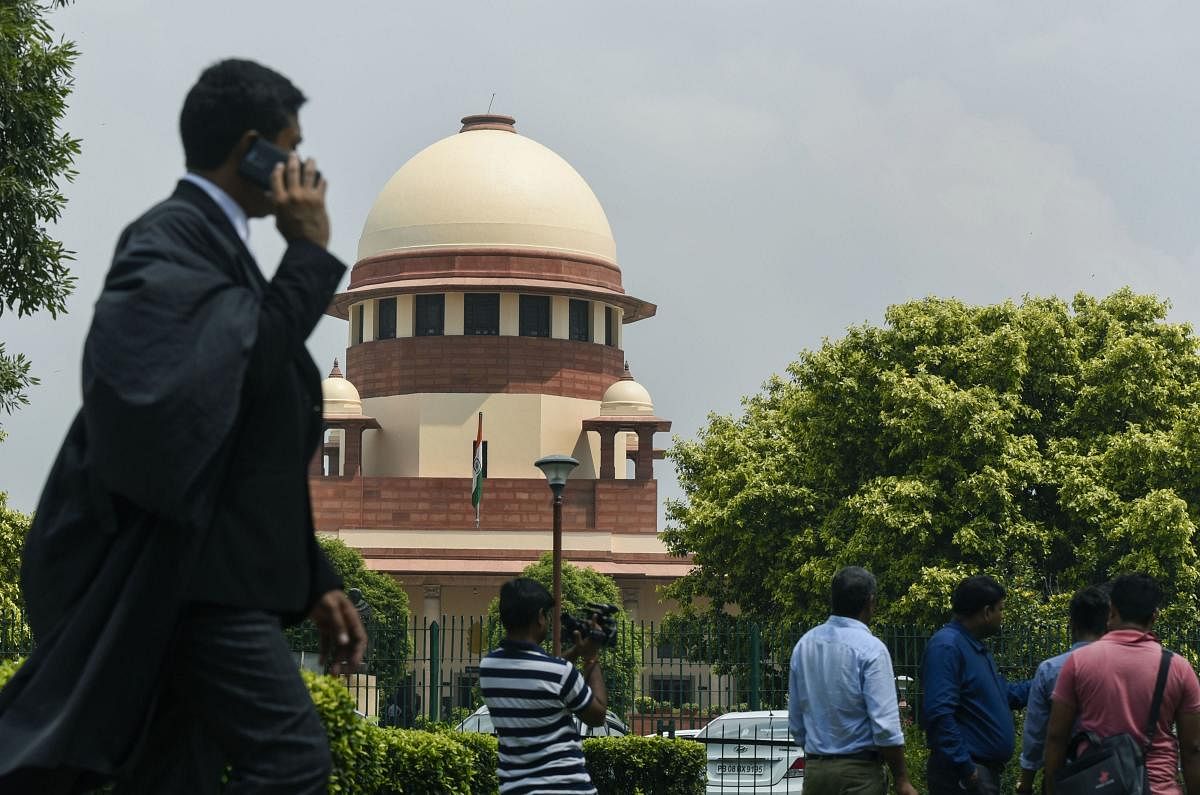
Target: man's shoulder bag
1113, 765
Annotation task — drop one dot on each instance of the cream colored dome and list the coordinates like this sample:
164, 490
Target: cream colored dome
339, 396
487, 188
626, 398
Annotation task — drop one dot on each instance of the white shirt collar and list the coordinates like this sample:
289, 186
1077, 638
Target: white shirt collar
233, 211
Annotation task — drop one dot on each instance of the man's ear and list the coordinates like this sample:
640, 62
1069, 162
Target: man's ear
242, 146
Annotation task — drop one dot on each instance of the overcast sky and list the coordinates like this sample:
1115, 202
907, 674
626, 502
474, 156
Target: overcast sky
773, 172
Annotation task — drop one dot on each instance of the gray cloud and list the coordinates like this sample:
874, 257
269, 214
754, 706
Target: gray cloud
773, 172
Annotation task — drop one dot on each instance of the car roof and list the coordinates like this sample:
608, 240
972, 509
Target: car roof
610, 714
762, 713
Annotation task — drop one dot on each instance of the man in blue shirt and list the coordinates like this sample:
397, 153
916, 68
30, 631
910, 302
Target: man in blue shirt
842, 706
1089, 620
966, 711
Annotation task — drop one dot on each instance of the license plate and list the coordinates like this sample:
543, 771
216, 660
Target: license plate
740, 769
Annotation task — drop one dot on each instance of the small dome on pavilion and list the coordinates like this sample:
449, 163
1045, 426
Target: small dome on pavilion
340, 397
626, 398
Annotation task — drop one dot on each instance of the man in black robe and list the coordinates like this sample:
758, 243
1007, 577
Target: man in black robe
174, 536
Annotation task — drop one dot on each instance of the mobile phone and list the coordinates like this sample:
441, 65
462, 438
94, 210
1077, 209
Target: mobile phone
261, 159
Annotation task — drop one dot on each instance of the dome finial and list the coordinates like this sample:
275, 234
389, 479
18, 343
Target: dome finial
335, 372
488, 121
626, 376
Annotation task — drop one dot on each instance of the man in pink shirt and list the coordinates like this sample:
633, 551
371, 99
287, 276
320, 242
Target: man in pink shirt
1108, 687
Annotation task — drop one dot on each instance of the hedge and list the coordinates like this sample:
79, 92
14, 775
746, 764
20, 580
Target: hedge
8, 668
486, 753
646, 765
370, 760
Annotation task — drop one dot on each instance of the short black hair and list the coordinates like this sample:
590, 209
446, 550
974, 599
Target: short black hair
852, 588
231, 97
975, 593
1089, 610
1136, 597
520, 602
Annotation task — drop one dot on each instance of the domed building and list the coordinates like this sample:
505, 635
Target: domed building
487, 284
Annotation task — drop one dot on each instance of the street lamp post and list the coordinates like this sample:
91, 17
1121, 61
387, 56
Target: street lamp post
557, 468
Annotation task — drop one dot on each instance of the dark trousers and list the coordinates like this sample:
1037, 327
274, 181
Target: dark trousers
844, 777
232, 696
944, 781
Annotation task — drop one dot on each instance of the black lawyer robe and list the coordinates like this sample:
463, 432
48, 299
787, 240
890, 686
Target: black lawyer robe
183, 478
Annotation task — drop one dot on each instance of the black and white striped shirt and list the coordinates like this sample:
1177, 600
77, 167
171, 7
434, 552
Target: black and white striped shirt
531, 697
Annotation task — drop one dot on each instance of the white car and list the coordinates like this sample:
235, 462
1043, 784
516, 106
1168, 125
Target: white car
752, 752
480, 721
680, 734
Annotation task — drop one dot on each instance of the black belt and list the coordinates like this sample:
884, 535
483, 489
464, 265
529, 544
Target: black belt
861, 756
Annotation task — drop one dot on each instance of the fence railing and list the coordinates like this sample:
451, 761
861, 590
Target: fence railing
420, 671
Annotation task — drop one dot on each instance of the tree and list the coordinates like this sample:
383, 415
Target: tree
1048, 444
35, 81
14, 527
387, 598
581, 586
387, 628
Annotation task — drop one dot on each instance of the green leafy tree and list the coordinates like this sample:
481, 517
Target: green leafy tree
15, 636
14, 527
387, 627
1052, 445
385, 595
35, 81
581, 586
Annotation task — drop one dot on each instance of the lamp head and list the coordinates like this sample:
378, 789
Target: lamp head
556, 468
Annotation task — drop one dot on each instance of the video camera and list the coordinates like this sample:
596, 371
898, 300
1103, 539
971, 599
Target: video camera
604, 615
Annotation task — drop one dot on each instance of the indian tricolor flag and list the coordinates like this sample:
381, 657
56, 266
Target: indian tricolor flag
477, 469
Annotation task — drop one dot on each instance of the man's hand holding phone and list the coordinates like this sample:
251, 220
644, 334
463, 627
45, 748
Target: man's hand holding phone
299, 198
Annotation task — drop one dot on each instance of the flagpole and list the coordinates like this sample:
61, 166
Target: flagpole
477, 466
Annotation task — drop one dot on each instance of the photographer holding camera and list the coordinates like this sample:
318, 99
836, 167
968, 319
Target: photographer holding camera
532, 695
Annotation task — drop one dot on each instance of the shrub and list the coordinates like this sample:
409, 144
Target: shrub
356, 751
8, 668
486, 751
633, 765
916, 755
690, 708
423, 763
645, 704
370, 760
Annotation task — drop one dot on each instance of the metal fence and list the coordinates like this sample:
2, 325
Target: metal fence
658, 680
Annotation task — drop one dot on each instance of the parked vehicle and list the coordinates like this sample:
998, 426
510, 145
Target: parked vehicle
752, 752
680, 734
480, 721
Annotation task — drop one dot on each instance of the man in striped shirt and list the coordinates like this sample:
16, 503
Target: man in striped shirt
532, 697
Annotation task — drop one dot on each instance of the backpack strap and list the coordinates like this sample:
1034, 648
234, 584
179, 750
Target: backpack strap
1160, 685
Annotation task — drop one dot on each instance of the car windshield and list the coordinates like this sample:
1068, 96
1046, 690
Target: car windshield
479, 722
746, 729
613, 727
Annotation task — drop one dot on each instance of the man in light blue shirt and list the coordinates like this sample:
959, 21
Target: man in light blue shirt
842, 706
1089, 620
